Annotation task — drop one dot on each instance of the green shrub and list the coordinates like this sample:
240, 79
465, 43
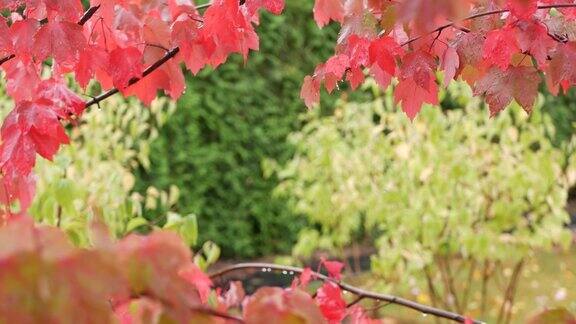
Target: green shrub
231, 119
450, 188
92, 177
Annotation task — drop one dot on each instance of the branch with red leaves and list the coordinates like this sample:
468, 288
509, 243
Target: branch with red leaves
360, 293
404, 43
484, 14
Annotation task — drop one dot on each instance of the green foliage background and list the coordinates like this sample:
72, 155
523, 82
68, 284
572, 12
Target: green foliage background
229, 120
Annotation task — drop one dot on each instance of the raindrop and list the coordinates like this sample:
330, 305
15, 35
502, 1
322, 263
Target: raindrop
284, 272
424, 314
291, 272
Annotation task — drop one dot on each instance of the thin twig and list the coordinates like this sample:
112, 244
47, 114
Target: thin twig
352, 289
483, 14
170, 54
88, 14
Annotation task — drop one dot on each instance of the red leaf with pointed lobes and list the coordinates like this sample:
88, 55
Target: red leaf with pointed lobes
417, 83
274, 6
22, 79
562, 69
62, 40
32, 127
332, 305
333, 71
326, 10
382, 78
91, 60
64, 101
334, 268
195, 48
355, 77
501, 87
310, 91
523, 9
499, 47
413, 96
357, 50
383, 51
22, 33
124, 65
419, 66
230, 30
533, 38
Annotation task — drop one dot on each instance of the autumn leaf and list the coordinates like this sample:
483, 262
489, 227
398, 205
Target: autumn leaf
501, 87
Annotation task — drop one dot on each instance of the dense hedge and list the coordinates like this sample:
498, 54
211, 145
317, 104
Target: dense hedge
227, 123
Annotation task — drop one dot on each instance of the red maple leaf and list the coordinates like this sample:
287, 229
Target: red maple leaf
499, 47
332, 305
310, 91
124, 65
334, 268
326, 10
501, 87
62, 40
383, 52
63, 101
274, 6
32, 127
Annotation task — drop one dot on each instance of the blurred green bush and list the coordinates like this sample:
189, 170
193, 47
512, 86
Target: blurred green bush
453, 187
228, 121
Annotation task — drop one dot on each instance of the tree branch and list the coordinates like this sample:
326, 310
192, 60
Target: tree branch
169, 55
88, 14
484, 14
364, 294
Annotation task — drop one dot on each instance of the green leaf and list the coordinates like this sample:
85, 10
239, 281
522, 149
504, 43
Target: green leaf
134, 223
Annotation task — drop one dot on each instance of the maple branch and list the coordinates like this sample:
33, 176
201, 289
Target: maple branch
484, 14
360, 293
169, 55
88, 14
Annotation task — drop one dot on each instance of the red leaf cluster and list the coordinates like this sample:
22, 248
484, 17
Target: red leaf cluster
133, 46
501, 48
